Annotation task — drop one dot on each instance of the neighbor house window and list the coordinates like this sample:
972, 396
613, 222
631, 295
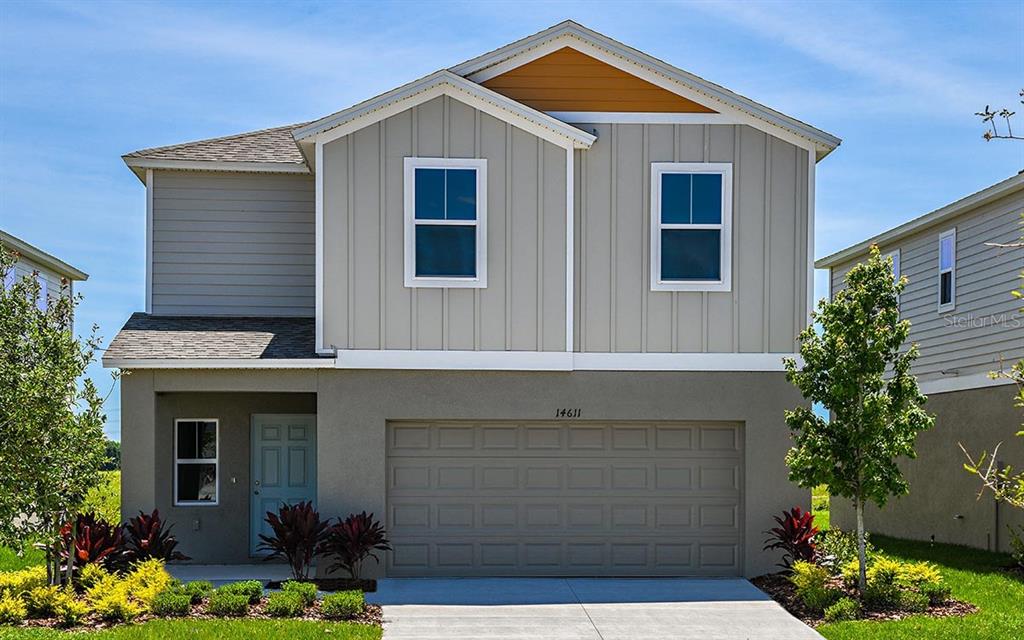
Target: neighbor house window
195, 461
691, 226
947, 270
445, 222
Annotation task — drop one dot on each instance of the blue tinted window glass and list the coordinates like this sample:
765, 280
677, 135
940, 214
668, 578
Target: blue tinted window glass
430, 194
461, 197
675, 198
707, 198
446, 251
691, 254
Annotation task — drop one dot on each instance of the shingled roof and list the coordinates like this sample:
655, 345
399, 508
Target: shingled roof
148, 337
266, 145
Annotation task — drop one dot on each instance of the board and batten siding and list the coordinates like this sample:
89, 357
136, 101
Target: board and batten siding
986, 325
366, 304
233, 244
616, 311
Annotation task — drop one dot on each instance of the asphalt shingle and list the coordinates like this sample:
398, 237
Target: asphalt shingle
266, 145
146, 336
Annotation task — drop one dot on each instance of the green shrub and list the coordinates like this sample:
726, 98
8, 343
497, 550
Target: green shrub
171, 603
69, 610
344, 604
1017, 544
226, 603
109, 597
306, 590
285, 604
41, 602
90, 574
16, 583
913, 601
196, 590
147, 580
807, 575
12, 609
881, 596
818, 599
884, 571
104, 499
912, 575
836, 548
936, 592
251, 589
844, 609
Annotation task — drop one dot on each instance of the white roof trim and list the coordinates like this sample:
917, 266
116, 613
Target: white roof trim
445, 83
937, 217
218, 363
662, 74
960, 383
41, 257
215, 165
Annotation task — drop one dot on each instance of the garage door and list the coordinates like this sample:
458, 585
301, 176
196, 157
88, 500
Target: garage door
536, 498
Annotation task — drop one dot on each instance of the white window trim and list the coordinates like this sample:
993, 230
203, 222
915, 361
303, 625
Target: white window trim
897, 268
657, 170
214, 461
409, 186
949, 306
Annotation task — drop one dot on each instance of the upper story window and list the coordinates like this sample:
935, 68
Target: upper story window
196, 443
445, 222
947, 270
691, 226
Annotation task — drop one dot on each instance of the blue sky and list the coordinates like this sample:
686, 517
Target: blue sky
83, 83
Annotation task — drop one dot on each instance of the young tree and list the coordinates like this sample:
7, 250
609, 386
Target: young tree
857, 369
51, 420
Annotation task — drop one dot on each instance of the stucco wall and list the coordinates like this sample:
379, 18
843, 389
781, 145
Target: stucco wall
940, 489
353, 407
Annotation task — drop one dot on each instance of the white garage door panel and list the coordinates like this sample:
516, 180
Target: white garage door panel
564, 499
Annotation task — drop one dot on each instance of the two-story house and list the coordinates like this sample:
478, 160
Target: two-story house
960, 272
529, 310
55, 277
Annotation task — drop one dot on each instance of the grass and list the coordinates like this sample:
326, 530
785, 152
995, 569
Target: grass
210, 629
9, 560
819, 506
975, 576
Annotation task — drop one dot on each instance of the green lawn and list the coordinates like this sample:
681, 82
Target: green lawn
820, 507
9, 560
210, 629
975, 577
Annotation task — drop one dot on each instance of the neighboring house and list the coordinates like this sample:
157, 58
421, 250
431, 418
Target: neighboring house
966, 324
529, 310
55, 276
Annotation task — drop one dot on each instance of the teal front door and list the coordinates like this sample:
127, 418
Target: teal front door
283, 468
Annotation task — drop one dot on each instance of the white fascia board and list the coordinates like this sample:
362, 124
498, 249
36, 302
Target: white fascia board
680, 361
628, 117
937, 217
446, 83
961, 383
458, 360
217, 363
641, 65
216, 165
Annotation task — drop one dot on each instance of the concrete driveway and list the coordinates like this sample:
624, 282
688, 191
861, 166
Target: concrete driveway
581, 608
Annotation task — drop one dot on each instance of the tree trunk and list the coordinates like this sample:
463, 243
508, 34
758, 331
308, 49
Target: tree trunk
862, 579
71, 551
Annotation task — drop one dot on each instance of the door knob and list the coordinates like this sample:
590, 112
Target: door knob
257, 492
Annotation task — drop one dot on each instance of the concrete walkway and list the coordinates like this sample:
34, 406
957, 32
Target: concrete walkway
582, 608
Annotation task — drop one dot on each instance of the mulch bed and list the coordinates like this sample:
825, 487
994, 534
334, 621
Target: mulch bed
334, 584
778, 586
370, 615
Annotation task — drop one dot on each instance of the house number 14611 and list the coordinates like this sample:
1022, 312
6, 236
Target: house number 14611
568, 413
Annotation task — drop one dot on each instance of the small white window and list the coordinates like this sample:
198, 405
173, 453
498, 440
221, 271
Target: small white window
196, 445
947, 270
691, 226
445, 222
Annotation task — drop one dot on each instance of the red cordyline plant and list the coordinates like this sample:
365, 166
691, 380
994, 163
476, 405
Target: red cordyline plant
794, 535
146, 538
95, 541
353, 540
298, 532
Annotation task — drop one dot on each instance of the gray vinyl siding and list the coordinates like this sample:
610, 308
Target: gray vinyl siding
616, 311
366, 302
985, 325
54, 281
233, 244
